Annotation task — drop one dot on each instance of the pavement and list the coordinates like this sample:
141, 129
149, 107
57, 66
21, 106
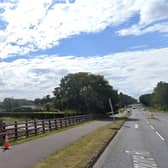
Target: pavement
141, 143
27, 154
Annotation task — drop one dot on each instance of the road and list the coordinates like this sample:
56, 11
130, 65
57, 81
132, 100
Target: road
141, 143
29, 153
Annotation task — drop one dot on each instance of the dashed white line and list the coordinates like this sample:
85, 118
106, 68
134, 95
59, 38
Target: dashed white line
160, 136
157, 133
152, 127
136, 126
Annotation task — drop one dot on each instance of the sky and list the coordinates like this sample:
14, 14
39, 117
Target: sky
42, 41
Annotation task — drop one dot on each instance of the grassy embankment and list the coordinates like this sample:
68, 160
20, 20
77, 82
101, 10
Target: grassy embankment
156, 110
81, 153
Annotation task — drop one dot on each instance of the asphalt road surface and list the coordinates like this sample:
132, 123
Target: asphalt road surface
29, 153
141, 143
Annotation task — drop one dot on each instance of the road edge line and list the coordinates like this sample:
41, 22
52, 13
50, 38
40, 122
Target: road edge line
95, 159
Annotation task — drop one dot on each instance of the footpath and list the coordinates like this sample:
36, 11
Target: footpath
27, 154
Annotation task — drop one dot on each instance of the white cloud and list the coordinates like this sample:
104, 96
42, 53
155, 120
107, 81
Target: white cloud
131, 72
40, 24
139, 30
153, 17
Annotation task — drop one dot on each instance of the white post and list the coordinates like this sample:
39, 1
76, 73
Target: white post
111, 106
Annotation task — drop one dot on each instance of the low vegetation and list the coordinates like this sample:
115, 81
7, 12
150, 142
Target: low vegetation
80, 153
158, 99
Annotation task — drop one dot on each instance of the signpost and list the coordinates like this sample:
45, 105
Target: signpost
111, 107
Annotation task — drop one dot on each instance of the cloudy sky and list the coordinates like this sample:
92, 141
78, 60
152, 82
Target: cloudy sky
43, 40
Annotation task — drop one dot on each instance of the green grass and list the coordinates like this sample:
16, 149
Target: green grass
155, 110
81, 152
23, 140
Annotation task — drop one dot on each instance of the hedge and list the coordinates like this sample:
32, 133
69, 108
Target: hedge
36, 115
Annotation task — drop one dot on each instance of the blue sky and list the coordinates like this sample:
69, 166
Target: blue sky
124, 40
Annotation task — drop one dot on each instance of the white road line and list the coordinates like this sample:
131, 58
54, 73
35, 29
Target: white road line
160, 136
142, 159
136, 126
152, 127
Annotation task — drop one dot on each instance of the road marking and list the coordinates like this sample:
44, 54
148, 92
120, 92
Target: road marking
160, 136
142, 159
152, 127
136, 126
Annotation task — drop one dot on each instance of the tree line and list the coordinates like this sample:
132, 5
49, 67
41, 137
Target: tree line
158, 98
81, 92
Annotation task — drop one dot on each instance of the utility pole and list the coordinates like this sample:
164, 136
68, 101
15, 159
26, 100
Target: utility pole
111, 107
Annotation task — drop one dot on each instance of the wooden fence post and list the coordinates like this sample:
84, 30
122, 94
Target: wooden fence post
43, 126
65, 122
73, 121
16, 130
55, 122
35, 127
49, 122
61, 125
69, 121
1, 131
27, 129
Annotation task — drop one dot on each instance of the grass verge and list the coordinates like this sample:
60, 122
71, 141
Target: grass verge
82, 153
155, 110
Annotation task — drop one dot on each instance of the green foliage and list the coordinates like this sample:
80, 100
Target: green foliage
125, 100
85, 92
37, 115
159, 97
70, 113
10, 104
80, 93
146, 99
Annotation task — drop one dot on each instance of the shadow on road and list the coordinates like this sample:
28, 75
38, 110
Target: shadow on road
132, 119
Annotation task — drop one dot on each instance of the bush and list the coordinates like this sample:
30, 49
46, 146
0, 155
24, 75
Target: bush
35, 115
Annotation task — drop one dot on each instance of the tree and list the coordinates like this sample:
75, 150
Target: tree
160, 96
85, 92
146, 99
9, 104
125, 100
